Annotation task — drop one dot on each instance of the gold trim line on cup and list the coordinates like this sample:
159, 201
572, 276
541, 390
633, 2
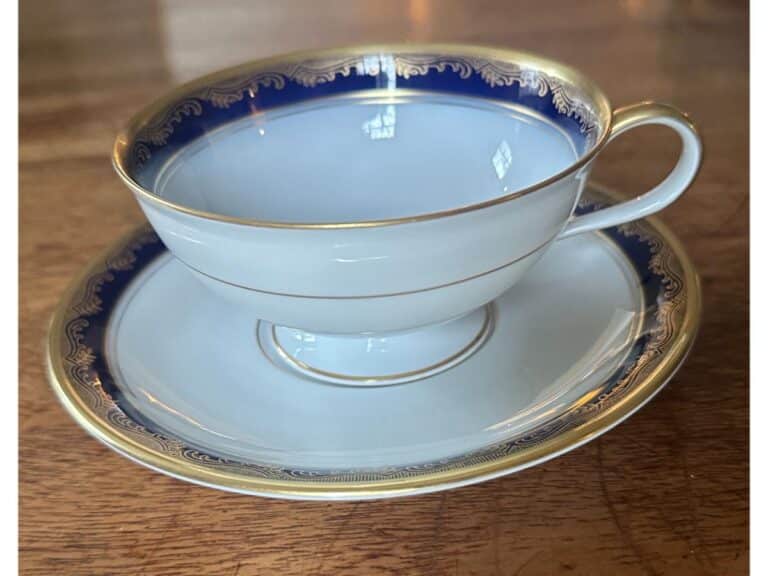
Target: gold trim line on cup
469, 350
84, 415
387, 295
126, 137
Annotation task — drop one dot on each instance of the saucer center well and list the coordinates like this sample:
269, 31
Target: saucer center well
377, 359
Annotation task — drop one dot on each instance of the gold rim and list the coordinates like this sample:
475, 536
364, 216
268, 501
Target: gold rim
466, 351
634, 399
377, 295
126, 136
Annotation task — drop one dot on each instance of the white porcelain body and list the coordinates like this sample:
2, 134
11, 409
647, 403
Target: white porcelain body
464, 245
387, 278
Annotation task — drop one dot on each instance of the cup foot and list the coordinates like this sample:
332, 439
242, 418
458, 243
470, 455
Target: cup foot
377, 359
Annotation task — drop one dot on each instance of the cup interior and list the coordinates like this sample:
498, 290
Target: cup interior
364, 135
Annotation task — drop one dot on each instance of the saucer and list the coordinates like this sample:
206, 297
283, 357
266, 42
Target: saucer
149, 363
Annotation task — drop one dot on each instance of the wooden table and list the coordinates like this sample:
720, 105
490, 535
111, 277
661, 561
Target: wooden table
664, 493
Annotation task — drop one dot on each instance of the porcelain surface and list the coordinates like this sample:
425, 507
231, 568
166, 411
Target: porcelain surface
348, 159
379, 189
375, 359
151, 364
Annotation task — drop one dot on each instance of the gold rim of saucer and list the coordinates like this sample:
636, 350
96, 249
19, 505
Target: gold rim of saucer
550, 67
678, 347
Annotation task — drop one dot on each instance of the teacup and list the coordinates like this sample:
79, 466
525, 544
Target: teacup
366, 205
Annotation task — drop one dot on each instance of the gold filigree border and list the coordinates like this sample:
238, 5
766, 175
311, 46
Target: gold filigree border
567, 99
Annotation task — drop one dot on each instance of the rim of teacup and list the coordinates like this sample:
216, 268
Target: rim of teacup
127, 135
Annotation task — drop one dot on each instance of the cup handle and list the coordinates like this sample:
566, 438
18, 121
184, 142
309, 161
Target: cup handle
663, 194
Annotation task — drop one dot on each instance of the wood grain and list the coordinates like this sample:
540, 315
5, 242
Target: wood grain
664, 493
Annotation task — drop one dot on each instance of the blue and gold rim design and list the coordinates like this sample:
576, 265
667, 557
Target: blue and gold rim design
79, 374
507, 77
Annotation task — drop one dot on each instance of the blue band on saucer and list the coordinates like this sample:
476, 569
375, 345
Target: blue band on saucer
85, 359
